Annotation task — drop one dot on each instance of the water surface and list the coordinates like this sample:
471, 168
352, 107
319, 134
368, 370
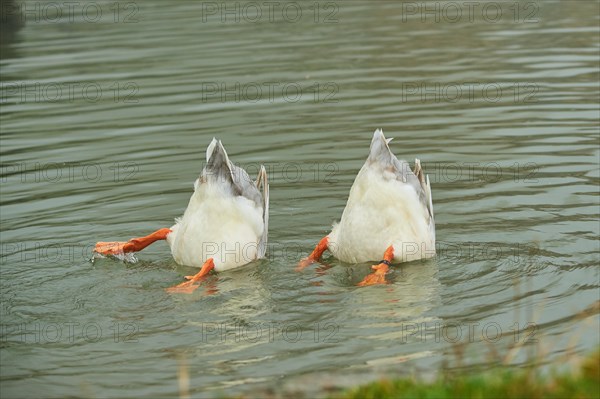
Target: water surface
104, 128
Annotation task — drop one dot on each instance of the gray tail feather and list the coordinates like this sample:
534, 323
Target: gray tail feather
380, 151
263, 181
217, 162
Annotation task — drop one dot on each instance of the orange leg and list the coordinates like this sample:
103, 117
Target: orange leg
315, 254
133, 245
378, 276
187, 287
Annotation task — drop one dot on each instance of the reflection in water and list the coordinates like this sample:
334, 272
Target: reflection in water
503, 116
414, 290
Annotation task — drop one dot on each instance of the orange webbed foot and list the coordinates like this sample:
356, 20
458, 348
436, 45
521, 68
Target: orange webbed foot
133, 245
315, 254
184, 288
377, 277
380, 270
111, 248
304, 263
187, 287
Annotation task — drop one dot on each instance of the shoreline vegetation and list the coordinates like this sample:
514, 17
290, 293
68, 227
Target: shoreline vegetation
570, 375
583, 382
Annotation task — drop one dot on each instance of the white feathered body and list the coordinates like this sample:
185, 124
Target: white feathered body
226, 218
214, 225
386, 206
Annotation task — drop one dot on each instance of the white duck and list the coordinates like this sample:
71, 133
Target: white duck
224, 226
389, 212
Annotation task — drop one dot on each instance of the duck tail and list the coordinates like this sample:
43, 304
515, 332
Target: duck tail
380, 151
218, 164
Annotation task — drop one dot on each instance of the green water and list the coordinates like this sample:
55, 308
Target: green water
104, 126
